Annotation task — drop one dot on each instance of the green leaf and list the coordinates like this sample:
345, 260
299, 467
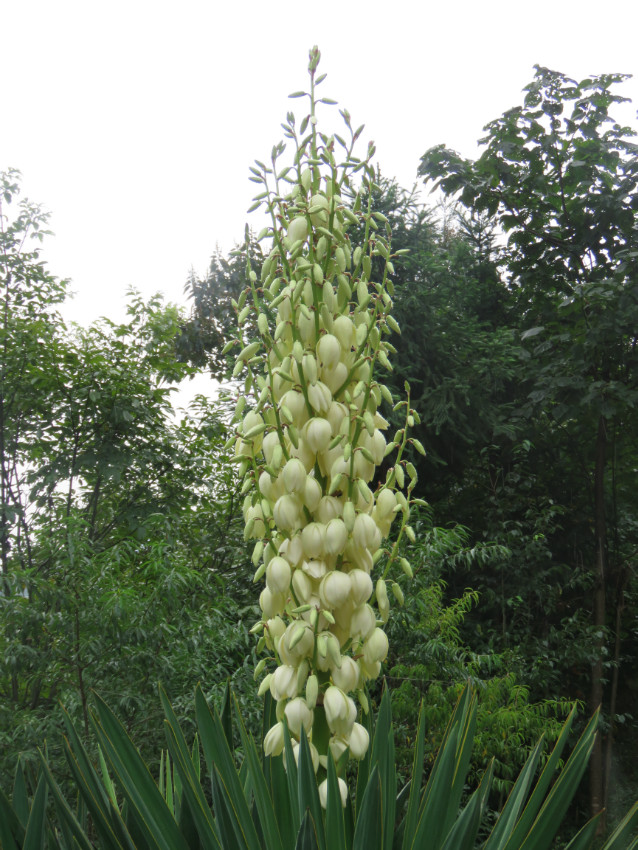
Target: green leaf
287, 812
416, 778
555, 806
227, 716
20, 800
35, 828
368, 832
363, 770
230, 830
307, 838
463, 834
584, 837
191, 787
335, 826
219, 758
10, 825
518, 795
434, 807
263, 800
308, 792
530, 332
292, 779
442, 794
109, 823
384, 759
147, 806
623, 831
65, 814
542, 786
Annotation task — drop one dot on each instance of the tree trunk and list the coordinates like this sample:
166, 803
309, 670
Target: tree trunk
596, 764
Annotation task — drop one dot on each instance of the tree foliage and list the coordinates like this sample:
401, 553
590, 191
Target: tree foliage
560, 178
119, 517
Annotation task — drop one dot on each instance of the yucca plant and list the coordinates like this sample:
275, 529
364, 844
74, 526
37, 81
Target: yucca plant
308, 445
247, 801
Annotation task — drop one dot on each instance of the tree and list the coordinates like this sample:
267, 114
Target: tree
28, 335
120, 517
560, 177
211, 321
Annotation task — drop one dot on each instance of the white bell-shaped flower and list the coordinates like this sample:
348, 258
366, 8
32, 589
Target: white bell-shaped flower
298, 716
340, 710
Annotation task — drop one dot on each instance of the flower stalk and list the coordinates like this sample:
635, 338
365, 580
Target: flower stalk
321, 495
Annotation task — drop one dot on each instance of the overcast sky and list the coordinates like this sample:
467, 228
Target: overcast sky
135, 122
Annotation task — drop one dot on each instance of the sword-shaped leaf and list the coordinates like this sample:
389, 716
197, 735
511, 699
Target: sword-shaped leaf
218, 757
308, 793
307, 838
263, 800
146, 805
368, 831
335, 825
191, 787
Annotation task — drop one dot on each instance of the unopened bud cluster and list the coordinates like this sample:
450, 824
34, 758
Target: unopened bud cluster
310, 446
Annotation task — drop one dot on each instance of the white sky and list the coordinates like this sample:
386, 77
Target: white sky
135, 122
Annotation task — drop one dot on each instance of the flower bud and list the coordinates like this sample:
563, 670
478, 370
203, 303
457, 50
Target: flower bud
312, 691
383, 603
335, 378
314, 755
296, 404
306, 326
343, 329
337, 747
386, 502
349, 515
297, 229
319, 206
302, 586
306, 178
297, 642
274, 740
328, 651
365, 533
264, 686
275, 628
309, 366
292, 550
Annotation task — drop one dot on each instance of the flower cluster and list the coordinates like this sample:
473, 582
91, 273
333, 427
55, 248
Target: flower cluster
310, 447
